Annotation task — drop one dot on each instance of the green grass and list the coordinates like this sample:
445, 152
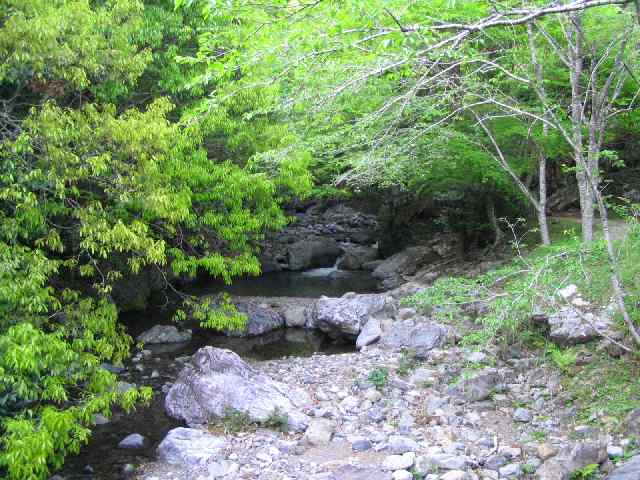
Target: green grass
605, 385
379, 377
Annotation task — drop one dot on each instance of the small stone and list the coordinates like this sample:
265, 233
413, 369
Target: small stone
399, 444
88, 469
360, 444
319, 431
447, 461
155, 374
511, 470
399, 462
133, 441
522, 415
402, 475
454, 475
100, 419
546, 451
614, 451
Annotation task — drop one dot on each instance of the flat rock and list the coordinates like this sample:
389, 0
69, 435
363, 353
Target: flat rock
189, 446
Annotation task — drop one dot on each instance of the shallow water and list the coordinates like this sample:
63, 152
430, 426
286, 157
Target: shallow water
103, 456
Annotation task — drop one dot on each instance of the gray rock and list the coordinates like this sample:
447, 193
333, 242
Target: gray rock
399, 444
356, 256
319, 431
522, 415
189, 446
513, 470
572, 325
354, 472
421, 337
164, 334
392, 270
632, 423
615, 451
478, 387
221, 469
369, 334
313, 252
445, 461
572, 458
345, 316
454, 475
402, 475
98, 419
360, 444
399, 462
630, 470
262, 317
218, 380
132, 442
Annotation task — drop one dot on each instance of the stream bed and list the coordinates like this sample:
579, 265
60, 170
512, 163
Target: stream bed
101, 459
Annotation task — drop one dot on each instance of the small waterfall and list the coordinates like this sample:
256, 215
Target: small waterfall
323, 272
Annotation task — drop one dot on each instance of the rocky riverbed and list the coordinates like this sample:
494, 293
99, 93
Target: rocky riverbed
380, 414
355, 385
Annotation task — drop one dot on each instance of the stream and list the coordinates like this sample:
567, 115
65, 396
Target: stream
101, 459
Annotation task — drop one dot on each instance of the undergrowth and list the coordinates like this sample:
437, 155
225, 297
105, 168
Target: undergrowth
510, 295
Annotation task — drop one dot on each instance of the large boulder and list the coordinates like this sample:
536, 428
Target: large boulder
312, 253
190, 447
164, 334
391, 271
347, 315
216, 381
573, 457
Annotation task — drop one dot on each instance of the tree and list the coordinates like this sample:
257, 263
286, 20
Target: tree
100, 179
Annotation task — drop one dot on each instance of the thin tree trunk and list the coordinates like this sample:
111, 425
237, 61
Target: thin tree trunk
541, 209
491, 214
542, 202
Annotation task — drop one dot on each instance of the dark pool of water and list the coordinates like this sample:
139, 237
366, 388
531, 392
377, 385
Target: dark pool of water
101, 453
313, 283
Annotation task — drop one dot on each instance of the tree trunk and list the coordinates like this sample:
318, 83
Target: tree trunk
491, 214
542, 199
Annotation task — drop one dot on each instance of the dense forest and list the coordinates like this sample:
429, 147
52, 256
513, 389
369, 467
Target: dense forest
153, 137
